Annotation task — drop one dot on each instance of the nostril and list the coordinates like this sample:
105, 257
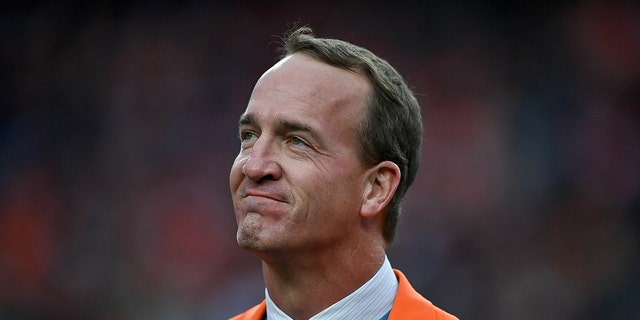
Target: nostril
267, 177
261, 169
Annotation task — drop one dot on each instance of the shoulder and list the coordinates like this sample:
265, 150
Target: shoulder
409, 304
255, 313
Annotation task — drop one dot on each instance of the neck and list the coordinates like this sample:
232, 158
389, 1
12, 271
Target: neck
304, 286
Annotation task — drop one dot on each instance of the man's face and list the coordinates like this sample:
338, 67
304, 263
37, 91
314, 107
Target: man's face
297, 183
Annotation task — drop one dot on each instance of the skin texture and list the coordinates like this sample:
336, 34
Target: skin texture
304, 202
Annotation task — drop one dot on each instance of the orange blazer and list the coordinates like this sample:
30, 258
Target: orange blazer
408, 305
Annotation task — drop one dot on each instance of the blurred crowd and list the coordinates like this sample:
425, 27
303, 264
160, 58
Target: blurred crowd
118, 126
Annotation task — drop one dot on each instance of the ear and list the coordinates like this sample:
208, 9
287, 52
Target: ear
381, 184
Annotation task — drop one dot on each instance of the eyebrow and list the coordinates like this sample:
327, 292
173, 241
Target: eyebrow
295, 126
248, 119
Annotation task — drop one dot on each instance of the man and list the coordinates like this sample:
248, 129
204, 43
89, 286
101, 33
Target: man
330, 142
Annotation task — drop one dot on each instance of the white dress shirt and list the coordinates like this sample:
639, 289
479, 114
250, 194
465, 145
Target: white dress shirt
372, 300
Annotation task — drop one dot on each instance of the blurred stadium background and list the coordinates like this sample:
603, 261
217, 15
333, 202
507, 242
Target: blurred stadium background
118, 128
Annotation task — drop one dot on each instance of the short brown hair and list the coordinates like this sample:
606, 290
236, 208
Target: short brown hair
392, 128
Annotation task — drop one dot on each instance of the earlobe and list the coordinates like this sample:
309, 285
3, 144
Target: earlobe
382, 182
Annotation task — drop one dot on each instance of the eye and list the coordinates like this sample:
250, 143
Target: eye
297, 141
247, 136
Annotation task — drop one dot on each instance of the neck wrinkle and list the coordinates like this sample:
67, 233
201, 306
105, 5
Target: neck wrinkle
302, 290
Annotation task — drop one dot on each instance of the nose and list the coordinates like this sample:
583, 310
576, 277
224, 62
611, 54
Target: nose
262, 164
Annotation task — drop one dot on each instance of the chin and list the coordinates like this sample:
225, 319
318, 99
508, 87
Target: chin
257, 245
250, 240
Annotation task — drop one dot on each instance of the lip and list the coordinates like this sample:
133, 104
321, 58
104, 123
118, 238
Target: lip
261, 194
266, 204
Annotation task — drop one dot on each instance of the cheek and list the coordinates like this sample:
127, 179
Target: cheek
333, 193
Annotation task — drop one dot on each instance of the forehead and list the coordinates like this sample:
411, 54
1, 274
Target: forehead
302, 84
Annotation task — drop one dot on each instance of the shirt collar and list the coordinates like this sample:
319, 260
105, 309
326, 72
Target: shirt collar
372, 300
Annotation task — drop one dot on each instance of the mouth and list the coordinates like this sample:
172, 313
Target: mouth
263, 195
263, 204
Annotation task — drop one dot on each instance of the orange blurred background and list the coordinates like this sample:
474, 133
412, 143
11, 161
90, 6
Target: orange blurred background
118, 129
